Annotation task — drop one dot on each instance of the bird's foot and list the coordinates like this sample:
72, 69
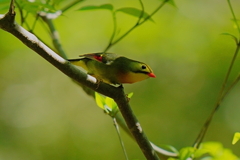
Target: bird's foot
98, 83
117, 85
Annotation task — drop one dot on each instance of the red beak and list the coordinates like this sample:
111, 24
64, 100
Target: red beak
151, 75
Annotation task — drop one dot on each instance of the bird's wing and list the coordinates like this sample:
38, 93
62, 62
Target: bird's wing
82, 62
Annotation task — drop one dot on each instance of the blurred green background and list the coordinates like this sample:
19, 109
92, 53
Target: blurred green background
43, 115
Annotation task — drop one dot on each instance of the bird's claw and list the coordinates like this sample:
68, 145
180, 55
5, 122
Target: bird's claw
98, 83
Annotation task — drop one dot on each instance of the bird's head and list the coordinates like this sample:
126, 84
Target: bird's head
134, 71
139, 67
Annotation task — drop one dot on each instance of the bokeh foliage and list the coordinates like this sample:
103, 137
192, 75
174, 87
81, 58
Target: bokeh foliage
43, 115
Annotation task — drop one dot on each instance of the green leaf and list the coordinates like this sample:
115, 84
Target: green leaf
104, 6
213, 147
129, 95
134, 12
110, 103
169, 148
207, 151
217, 151
107, 104
112, 106
100, 100
36, 6
200, 152
186, 152
236, 138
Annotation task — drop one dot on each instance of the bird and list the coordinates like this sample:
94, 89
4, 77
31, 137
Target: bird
112, 68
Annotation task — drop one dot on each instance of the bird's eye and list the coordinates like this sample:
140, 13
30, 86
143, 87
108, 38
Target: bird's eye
144, 67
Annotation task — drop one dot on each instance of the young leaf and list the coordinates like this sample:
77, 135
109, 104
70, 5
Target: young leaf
110, 103
99, 100
212, 147
200, 152
169, 148
129, 95
104, 6
134, 12
186, 152
107, 104
36, 6
216, 151
112, 106
236, 138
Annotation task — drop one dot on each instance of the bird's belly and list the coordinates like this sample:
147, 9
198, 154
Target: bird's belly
132, 77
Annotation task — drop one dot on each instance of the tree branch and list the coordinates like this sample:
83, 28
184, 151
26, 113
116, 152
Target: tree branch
162, 153
8, 24
54, 33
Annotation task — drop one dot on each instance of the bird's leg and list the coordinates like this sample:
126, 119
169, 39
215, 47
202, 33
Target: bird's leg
98, 82
117, 85
121, 87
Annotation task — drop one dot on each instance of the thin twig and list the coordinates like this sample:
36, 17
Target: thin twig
35, 22
142, 13
138, 23
11, 8
55, 37
222, 95
115, 26
21, 12
120, 138
71, 5
223, 92
234, 17
54, 33
114, 31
